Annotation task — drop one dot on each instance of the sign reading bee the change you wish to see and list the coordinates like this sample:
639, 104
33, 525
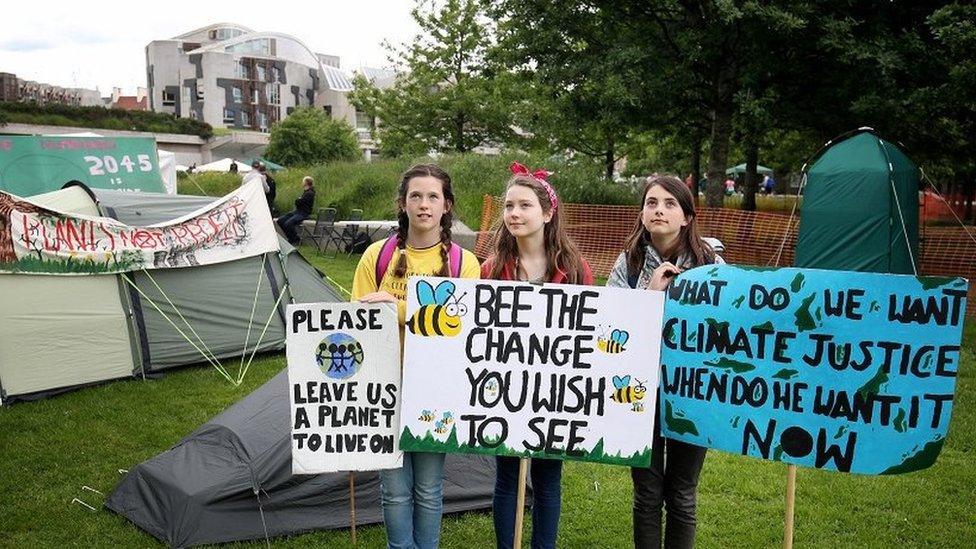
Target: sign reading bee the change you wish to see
841, 371
344, 387
511, 368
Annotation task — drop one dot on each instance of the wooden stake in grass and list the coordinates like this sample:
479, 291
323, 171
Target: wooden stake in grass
790, 501
520, 502
352, 505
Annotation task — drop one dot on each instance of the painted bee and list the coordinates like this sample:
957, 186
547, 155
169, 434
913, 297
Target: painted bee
624, 393
448, 418
440, 427
427, 416
437, 317
492, 388
615, 344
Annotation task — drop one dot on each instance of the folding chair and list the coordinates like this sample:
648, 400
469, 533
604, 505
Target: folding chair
323, 230
347, 236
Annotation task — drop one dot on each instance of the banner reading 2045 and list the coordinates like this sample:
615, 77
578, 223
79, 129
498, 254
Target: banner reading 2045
510, 368
835, 370
31, 165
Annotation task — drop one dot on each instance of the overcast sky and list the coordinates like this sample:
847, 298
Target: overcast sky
102, 44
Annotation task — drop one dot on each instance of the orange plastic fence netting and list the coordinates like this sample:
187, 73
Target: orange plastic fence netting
750, 238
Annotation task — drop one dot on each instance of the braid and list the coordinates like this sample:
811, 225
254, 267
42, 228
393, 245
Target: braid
445, 248
401, 236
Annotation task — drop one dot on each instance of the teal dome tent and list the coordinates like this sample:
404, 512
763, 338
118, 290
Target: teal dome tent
860, 204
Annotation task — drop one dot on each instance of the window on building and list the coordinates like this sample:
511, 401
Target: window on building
242, 71
364, 121
245, 119
262, 73
274, 74
238, 94
263, 121
272, 93
169, 99
228, 116
255, 96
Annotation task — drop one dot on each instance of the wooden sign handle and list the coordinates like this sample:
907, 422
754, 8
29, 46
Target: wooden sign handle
520, 502
790, 505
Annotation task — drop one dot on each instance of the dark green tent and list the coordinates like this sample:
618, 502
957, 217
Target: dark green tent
850, 215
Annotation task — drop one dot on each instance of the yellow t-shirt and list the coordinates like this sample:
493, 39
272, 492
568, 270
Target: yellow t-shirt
420, 262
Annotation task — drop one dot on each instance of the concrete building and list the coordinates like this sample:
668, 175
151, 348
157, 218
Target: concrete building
16, 89
230, 76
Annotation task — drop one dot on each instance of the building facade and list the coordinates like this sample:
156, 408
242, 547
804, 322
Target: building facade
230, 76
25, 91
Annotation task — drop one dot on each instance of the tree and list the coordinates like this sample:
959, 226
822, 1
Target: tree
445, 95
310, 136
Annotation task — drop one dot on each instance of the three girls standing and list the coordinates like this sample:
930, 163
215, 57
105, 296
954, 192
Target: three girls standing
532, 246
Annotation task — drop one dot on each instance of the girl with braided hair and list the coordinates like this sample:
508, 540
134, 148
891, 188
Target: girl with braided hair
412, 495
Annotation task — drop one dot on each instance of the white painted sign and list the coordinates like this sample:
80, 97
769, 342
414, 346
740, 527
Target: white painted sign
344, 387
511, 368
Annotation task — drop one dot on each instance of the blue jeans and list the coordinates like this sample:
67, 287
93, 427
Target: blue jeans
546, 494
289, 225
413, 499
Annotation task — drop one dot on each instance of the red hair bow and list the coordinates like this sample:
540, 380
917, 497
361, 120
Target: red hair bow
518, 168
540, 175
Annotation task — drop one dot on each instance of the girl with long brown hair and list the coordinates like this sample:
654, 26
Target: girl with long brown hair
665, 241
412, 495
531, 245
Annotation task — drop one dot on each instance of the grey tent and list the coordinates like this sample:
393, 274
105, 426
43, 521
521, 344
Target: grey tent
106, 329
231, 480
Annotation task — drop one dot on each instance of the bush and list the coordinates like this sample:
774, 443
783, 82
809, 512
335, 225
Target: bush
372, 185
310, 136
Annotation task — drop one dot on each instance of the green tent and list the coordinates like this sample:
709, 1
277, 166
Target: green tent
59, 332
741, 168
860, 203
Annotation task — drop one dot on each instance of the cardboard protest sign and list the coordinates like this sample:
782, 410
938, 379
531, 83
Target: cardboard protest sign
344, 386
511, 368
37, 240
835, 370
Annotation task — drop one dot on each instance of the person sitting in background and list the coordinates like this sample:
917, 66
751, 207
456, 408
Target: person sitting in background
303, 208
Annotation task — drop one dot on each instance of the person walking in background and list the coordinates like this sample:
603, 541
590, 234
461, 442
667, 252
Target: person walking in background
664, 242
532, 246
256, 173
303, 208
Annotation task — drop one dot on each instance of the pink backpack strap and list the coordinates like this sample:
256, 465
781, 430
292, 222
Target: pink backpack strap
454, 257
383, 261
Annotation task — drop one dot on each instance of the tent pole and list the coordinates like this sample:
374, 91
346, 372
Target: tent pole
352, 505
520, 502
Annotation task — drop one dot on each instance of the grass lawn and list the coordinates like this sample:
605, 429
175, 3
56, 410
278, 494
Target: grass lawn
51, 448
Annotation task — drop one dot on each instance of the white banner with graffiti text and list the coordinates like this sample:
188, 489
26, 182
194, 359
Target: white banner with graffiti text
36, 240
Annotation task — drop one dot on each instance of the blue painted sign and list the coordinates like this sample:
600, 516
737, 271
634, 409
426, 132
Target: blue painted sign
835, 370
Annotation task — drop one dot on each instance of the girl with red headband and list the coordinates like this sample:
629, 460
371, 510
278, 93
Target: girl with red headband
532, 246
